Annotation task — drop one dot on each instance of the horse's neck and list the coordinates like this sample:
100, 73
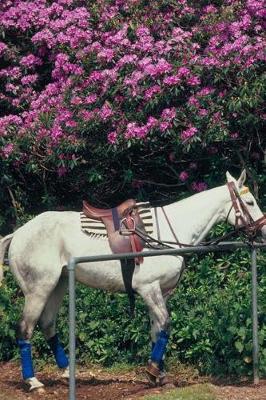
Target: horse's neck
193, 218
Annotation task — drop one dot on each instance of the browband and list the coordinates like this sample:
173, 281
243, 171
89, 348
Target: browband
244, 191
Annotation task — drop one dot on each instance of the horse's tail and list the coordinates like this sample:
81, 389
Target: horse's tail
4, 243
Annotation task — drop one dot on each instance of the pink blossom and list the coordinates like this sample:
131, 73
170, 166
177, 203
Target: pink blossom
106, 112
61, 171
30, 61
29, 79
106, 54
87, 115
76, 100
91, 98
164, 125
193, 80
71, 123
168, 114
149, 93
152, 122
209, 9
183, 72
187, 133
112, 137
203, 112
205, 91
183, 176
171, 80
3, 48
7, 150
193, 101
135, 131
199, 186
234, 135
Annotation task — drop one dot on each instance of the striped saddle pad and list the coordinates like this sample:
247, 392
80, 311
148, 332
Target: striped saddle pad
97, 228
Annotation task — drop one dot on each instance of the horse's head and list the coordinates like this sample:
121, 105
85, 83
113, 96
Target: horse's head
243, 211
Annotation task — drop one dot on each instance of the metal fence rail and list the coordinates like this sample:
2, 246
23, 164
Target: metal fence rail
222, 247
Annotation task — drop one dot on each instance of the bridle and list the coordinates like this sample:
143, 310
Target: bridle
244, 220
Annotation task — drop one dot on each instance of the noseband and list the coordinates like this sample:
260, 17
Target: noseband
244, 220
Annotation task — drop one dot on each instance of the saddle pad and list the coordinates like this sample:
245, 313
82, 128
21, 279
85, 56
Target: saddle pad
97, 228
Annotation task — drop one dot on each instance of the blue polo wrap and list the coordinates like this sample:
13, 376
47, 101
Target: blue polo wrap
160, 348
58, 351
26, 359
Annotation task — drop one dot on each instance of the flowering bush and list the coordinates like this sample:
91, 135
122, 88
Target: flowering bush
115, 98
97, 96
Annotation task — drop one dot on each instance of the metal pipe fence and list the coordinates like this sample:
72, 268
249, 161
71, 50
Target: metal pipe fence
221, 247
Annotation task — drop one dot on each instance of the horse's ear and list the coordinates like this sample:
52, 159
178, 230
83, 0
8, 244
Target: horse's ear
242, 179
229, 177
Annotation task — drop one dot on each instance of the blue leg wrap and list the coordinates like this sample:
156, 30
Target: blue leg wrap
26, 360
58, 351
161, 363
160, 347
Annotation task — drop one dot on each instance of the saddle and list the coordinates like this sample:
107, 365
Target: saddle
120, 223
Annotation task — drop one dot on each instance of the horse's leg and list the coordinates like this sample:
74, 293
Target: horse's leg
47, 323
152, 296
34, 304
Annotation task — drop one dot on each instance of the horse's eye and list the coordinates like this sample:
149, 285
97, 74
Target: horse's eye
250, 202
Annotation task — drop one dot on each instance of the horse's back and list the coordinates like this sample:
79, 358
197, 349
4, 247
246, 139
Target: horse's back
41, 236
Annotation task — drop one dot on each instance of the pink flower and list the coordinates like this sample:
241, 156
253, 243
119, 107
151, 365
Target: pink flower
112, 137
192, 101
193, 80
199, 186
30, 61
234, 135
183, 176
106, 54
149, 93
183, 72
203, 112
8, 149
165, 125
61, 171
3, 48
29, 79
76, 100
91, 98
186, 134
168, 114
171, 80
105, 112
152, 122
135, 131
205, 91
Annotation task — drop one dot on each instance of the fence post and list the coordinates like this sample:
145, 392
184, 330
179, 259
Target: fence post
255, 316
72, 325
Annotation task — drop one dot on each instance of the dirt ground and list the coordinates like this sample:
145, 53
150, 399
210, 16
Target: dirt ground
99, 384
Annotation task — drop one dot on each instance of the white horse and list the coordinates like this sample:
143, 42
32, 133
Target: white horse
39, 251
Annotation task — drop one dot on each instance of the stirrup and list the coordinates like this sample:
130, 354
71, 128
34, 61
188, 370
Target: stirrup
124, 230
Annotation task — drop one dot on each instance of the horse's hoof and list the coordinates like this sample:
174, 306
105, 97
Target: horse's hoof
34, 384
162, 379
65, 374
152, 372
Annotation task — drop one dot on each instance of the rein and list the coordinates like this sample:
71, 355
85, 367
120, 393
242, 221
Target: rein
244, 223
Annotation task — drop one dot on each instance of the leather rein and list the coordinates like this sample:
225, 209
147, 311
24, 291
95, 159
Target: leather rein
244, 223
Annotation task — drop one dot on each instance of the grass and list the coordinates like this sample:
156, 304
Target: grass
195, 392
